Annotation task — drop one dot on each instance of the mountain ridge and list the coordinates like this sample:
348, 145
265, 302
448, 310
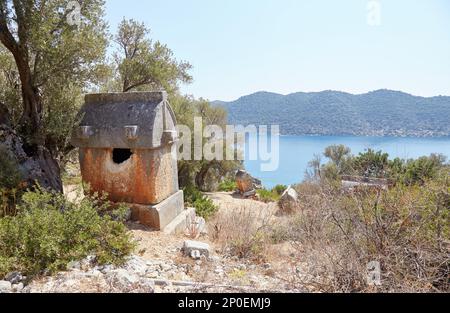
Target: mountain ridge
381, 112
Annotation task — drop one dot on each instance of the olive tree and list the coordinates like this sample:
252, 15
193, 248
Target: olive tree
54, 61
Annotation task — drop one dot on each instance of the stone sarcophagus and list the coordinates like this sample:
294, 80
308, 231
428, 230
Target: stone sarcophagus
127, 144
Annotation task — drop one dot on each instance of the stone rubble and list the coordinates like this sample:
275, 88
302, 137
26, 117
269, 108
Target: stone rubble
160, 275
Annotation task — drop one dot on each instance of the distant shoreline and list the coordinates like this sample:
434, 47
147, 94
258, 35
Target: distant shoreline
368, 136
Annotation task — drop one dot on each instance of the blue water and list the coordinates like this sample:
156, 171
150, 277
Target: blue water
297, 151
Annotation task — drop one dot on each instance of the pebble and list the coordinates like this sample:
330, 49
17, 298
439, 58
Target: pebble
267, 266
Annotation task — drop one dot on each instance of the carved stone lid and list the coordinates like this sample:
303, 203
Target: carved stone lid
125, 120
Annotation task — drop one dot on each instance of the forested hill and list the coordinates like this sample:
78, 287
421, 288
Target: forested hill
377, 113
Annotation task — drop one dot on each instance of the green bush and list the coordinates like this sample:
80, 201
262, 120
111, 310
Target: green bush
227, 185
10, 176
204, 206
10, 183
267, 195
279, 189
417, 171
49, 232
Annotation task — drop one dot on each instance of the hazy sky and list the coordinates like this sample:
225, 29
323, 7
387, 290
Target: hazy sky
238, 47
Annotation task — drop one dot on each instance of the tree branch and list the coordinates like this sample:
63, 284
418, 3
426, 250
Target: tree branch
6, 37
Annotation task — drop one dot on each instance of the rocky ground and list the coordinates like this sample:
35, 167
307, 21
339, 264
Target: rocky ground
161, 265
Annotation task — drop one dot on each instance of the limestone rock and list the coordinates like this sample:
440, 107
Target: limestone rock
190, 247
5, 286
209, 182
136, 265
31, 167
288, 200
14, 277
127, 281
18, 287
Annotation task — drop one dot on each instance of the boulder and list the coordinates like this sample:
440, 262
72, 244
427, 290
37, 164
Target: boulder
34, 166
196, 249
210, 180
247, 185
288, 200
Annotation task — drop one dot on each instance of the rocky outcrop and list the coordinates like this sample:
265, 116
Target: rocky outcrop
210, 180
35, 165
247, 184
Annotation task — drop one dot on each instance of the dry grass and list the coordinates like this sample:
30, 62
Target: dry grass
334, 236
242, 232
405, 229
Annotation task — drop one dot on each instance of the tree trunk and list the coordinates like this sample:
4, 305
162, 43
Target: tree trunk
34, 141
4, 115
51, 174
31, 122
30, 128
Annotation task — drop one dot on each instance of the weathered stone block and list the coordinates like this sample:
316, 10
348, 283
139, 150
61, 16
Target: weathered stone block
190, 246
160, 215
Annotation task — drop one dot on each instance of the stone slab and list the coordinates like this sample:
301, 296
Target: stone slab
201, 247
178, 225
160, 215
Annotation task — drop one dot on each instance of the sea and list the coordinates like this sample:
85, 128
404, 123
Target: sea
296, 151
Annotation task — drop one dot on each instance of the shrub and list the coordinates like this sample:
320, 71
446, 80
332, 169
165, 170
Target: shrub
227, 185
406, 229
279, 189
8, 201
10, 176
267, 195
49, 232
204, 206
10, 183
418, 171
242, 232
371, 163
